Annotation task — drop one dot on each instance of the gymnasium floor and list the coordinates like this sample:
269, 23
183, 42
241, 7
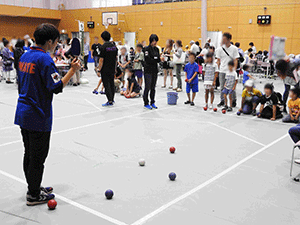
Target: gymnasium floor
230, 170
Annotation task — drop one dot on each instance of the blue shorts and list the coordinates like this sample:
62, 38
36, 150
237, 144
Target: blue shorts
138, 73
227, 91
194, 87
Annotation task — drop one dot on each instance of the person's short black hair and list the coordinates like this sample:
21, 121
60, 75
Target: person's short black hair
265, 52
212, 47
250, 50
45, 32
259, 52
5, 42
231, 63
245, 67
179, 43
296, 91
207, 45
131, 48
139, 45
210, 55
197, 43
269, 86
237, 44
68, 41
153, 37
227, 35
282, 66
20, 43
251, 44
105, 36
193, 54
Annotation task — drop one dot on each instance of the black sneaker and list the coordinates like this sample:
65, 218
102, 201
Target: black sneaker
225, 108
42, 198
9, 82
192, 103
229, 109
187, 102
47, 190
234, 103
220, 104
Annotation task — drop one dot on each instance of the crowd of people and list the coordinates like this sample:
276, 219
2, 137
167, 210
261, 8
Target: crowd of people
38, 81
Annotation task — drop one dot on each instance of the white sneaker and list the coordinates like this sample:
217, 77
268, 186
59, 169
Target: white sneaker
179, 90
211, 106
163, 86
297, 161
175, 89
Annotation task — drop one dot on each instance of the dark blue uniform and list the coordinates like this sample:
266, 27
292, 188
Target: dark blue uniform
38, 81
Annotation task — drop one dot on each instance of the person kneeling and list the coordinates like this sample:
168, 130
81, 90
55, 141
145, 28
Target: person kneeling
133, 88
294, 107
250, 98
269, 104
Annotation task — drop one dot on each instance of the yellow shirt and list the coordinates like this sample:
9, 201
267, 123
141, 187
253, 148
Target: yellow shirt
248, 95
294, 106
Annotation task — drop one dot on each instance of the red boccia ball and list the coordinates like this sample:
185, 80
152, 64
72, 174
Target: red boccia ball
172, 149
223, 111
215, 109
205, 108
52, 204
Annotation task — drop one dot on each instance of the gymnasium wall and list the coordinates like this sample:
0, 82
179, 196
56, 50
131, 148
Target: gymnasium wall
17, 21
182, 20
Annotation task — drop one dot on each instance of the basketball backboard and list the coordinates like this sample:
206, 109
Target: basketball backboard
109, 18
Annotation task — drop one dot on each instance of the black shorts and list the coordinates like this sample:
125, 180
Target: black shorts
166, 65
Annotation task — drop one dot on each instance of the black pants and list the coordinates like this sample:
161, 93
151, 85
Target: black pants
85, 60
150, 83
36, 146
267, 113
109, 85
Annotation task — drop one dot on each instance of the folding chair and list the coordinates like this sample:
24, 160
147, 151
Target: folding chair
293, 155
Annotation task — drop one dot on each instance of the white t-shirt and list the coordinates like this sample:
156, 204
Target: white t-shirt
253, 49
204, 53
225, 59
195, 48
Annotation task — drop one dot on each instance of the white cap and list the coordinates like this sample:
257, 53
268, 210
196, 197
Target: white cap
249, 83
192, 42
26, 36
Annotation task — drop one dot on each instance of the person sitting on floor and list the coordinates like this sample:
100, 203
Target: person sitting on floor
294, 107
269, 104
250, 98
133, 88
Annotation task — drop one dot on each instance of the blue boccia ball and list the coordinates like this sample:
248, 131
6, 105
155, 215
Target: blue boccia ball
238, 113
172, 176
109, 194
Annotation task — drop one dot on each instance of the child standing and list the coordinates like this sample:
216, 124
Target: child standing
210, 72
231, 80
7, 61
294, 107
138, 64
123, 63
38, 81
133, 88
250, 98
269, 104
246, 74
191, 71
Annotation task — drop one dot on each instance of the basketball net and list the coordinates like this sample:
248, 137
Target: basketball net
106, 25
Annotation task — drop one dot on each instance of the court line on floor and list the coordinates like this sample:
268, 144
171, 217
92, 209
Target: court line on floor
205, 122
206, 183
92, 104
233, 132
70, 202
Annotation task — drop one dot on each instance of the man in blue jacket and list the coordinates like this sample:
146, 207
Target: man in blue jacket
38, 81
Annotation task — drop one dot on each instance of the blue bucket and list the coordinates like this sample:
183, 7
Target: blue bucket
172, 98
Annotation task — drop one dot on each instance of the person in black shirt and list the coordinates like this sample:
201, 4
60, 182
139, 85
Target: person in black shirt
133, 88
152, 57
269, 104
286, 71
95, 53
107, 67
